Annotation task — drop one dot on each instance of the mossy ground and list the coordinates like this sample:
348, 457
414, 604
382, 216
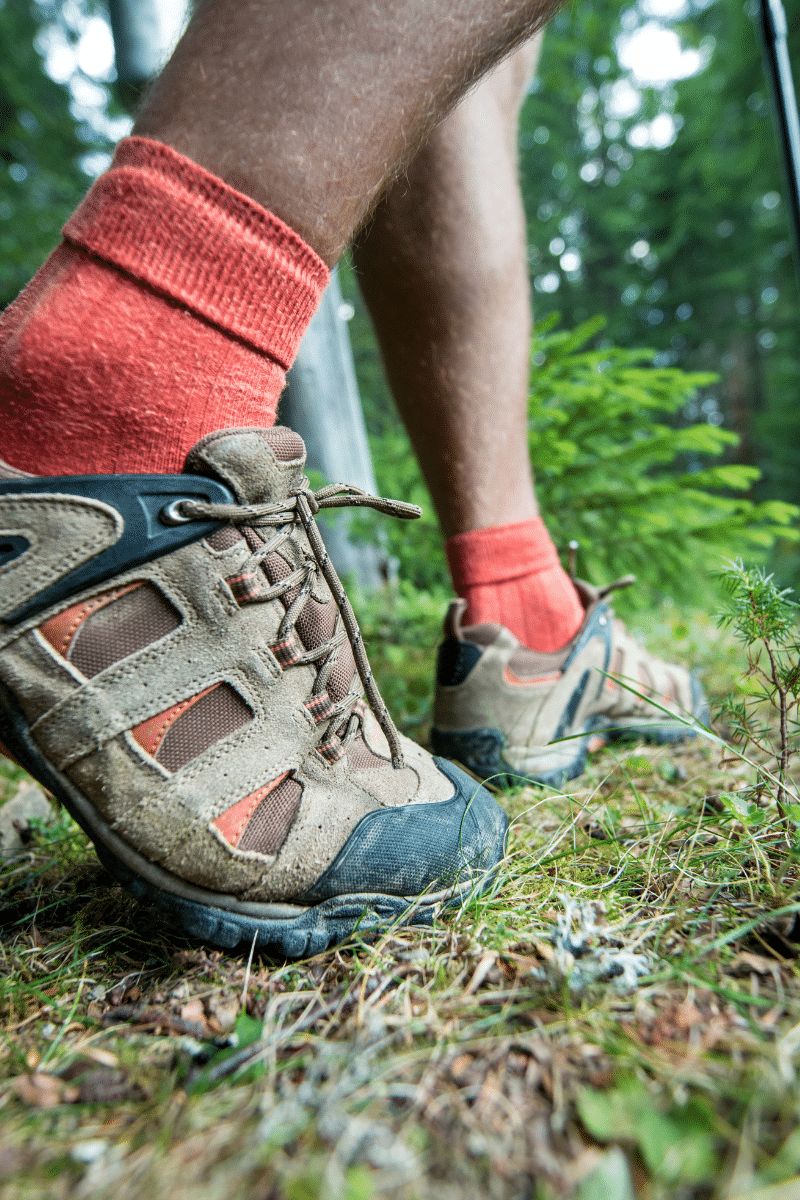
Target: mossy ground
453, 1061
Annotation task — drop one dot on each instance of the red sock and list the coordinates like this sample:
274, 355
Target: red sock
512, 574
173, 308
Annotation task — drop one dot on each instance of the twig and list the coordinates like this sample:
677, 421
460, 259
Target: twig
247, 972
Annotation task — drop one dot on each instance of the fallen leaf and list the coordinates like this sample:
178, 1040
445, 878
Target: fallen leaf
459, 1067
104, 1086
98, 1084
687, 1015
103, 1057
154, 1019
12, 1158
481, 971
222, 1011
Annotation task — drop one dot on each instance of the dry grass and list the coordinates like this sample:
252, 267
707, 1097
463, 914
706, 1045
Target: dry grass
501, 1053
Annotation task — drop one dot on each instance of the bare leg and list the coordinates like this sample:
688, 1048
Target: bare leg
443, 269
312, 108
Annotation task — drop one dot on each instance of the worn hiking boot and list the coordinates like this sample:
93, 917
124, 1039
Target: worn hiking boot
513, 715
177, 661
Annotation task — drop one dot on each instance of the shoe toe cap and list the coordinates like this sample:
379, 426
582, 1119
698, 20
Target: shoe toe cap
416, 848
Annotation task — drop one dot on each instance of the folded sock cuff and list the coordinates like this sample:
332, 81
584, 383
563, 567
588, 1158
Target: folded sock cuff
188, 235
485, 556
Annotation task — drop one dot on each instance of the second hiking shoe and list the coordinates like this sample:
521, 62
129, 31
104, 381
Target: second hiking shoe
514, 716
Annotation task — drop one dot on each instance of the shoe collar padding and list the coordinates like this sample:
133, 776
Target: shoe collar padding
259, 465
523, 663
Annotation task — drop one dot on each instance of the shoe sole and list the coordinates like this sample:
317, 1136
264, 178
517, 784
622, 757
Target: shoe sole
294, 930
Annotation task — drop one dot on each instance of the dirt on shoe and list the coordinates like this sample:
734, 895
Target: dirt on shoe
512, 715
180, 666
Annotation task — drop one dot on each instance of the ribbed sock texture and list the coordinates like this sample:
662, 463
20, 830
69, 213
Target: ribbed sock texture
511, 574
173, 307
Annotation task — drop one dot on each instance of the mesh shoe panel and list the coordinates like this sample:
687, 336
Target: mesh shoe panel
646, 680
216, 715
314, 625
267, 828
360, 757
342, 674
316, 622
224, 538
121, 628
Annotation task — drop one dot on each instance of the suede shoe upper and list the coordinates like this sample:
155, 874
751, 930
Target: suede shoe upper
200, 711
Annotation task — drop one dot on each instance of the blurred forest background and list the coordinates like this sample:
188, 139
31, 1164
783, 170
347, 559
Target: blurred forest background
653, 189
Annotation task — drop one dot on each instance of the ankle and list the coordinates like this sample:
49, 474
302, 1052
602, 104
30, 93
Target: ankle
511, 574
173, 308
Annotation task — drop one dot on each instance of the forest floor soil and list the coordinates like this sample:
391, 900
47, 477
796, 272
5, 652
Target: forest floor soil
618, 1017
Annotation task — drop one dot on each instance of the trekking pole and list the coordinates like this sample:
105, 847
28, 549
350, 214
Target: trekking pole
776, 51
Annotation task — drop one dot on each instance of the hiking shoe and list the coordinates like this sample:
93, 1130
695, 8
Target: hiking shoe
177, 661
512, 715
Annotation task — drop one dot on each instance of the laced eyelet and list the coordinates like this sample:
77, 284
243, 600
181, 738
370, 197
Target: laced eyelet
171, 515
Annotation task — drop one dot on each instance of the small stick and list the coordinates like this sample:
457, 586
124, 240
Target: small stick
247, 972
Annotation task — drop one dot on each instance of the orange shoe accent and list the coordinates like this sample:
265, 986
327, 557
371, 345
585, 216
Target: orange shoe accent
151, 733
515, 681
233, 822
60, 631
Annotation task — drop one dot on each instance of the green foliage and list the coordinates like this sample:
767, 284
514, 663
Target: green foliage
610, 1180
416, 546
677, 231
757, 609
676, 1142
11, 776
39, 178
764, 712
639, 494
232, 1059
401, 637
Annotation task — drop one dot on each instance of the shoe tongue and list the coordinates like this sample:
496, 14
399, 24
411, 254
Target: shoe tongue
259, 465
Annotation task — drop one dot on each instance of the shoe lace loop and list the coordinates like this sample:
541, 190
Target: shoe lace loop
623, 582
300, 508
597, 593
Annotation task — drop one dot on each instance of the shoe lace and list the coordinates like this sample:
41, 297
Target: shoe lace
282, 517
607, 588
598, 593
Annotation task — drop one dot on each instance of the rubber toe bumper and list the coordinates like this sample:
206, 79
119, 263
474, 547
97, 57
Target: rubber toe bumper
415, 848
